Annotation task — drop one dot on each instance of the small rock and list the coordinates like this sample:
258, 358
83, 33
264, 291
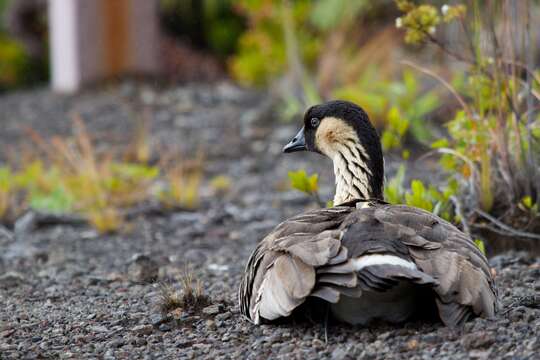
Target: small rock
157, 319
212, 309
141, 342
164, 327
99, 329
317, 344
210, 324
11, 279
224, 316
142, 269
478, 340
143, 329
109, 355
285, 349
479, 354
118, 343
25, 223
339, 353
7, 333
183, 343
431, 339
36, 338
412, 344
218, 268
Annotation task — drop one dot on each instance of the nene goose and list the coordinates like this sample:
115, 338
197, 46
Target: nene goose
368, 259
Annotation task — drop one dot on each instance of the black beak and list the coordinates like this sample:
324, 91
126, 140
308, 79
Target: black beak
296, 144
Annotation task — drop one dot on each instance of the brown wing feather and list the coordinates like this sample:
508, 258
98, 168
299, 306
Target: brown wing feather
309, 256
442, 251
280, 273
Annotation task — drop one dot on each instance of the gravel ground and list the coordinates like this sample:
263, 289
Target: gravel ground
66, 292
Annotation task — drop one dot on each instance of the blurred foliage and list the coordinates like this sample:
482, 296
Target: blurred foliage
13, 63
262, 53
214, 25
430, 198
181, 186
17, 67
400, 105
420, 21
480, 245
308, 184
494, 139
309, 43
73, 177
302, 182
221, 184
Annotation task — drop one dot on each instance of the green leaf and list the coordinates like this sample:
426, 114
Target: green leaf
6, 180
56, 201
481, 246
328, 14
411, 84
302, 182
441, 143
135, 171
527, 201
418, 196
393, 190
405, 154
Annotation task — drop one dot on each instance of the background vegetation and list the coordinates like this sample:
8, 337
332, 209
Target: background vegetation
458, 81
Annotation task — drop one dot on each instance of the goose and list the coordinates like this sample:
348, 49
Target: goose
369, 260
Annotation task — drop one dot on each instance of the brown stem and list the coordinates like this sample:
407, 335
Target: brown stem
442, 81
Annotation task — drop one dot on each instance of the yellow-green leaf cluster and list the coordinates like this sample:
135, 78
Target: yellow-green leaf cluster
453, 12
98, 186
302, 182
421, 21
418, 195
221, 184
395, 130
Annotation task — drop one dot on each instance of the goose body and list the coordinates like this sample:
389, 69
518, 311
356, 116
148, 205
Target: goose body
368, 259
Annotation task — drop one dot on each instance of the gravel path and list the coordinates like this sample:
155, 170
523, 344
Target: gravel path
66, 292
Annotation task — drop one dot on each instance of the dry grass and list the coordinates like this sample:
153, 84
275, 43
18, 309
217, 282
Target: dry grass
494, 139
189, 297
70, 175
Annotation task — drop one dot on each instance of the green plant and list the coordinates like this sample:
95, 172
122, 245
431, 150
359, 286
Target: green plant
308, 44
308, 184
209, 24
493, 142
266, 39
13, 63
221, 184
182, 183
528, 205
400, 105
430, 198
481, 246
68, 175
19, 65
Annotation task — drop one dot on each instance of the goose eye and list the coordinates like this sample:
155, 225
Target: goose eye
315, 122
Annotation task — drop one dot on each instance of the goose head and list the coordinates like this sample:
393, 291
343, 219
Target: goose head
342, 131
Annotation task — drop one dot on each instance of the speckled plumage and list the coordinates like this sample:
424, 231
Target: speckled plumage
326, 241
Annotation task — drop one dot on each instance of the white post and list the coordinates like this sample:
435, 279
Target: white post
95, 39
64, 56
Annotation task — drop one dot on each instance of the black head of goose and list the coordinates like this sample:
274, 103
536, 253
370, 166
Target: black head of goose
368, 259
